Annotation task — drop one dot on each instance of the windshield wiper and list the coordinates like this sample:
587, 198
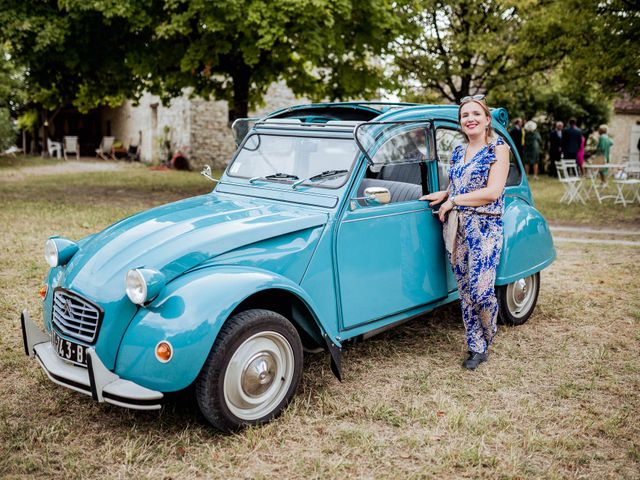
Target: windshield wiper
275, 176
321, 177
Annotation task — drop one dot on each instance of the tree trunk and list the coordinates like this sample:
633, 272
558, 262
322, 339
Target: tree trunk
45, 133
239, 106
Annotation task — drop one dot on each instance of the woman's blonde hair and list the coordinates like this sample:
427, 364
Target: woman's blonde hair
490, 133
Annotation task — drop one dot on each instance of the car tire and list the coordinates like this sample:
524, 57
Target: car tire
517, 300
252, 371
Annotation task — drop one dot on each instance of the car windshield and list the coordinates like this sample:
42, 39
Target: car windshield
298, 160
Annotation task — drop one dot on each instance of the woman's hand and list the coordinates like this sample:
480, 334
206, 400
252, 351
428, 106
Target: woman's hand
435, 198
444, 209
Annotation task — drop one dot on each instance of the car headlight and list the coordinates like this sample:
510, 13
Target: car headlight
143, 284
59, 250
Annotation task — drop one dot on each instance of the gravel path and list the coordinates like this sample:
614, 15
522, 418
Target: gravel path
595, 236
58, 168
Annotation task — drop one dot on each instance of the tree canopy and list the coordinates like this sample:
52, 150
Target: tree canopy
100, 52
560, 57
103, 51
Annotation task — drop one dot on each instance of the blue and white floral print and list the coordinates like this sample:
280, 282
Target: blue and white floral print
478, 243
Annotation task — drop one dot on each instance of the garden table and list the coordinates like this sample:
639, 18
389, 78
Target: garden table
591, 170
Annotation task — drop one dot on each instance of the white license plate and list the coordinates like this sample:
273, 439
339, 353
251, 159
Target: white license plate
70, 351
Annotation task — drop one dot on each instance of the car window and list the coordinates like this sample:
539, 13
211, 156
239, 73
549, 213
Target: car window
290, 158
409, 146
399, 165
447, 139
515, 175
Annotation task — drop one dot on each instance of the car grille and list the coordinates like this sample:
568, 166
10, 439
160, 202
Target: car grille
75, 317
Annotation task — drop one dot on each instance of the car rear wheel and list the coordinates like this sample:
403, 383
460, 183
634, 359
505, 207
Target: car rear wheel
517, 300
252, 371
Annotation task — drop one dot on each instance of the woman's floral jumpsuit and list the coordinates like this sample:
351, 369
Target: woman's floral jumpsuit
476, 249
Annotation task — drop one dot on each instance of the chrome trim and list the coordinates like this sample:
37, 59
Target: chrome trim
75, 317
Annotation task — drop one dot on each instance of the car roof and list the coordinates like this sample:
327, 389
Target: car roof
348, 112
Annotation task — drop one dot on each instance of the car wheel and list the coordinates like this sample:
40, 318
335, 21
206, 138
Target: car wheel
517, 300
252, 371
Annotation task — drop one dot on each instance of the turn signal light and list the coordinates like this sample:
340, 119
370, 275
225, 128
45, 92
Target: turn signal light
43, 292
164, 352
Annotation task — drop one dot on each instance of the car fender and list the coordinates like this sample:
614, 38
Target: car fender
189, 315
528, 245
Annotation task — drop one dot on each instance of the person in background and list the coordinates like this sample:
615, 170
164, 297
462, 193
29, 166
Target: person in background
555, 147
580, 157
603, 149
571, 139
532, 143
517, 135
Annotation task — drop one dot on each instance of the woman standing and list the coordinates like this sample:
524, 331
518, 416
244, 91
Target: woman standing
603, 149
472, 216
532, 143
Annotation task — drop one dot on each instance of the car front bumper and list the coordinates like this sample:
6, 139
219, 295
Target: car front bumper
95, 380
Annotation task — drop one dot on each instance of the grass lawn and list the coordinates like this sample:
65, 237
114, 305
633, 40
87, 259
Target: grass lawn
559, 397
548, 191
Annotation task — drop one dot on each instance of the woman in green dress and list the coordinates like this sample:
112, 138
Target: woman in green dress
603, 149
532, 143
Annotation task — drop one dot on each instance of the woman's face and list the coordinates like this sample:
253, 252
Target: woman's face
473, 120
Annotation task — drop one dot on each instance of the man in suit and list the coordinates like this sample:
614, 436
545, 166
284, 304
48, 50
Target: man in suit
571, 140
516, 135
555, 148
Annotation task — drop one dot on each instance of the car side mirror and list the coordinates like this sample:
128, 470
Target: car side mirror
377, 195
373, 195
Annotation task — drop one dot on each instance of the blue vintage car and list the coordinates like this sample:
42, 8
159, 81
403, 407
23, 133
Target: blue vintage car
312, 238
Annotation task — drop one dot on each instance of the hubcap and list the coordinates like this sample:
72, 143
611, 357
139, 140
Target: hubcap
520, 295
258, 375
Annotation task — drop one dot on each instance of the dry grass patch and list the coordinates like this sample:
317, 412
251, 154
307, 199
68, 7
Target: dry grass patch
559, 397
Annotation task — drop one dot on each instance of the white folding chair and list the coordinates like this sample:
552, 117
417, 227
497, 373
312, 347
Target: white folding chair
104, 151
54, 148
628, 178
70, 145
568, 176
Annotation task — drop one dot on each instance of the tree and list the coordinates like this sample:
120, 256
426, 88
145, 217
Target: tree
551, 97
234, 50
12, 96
604, 43
456, 48
103, 51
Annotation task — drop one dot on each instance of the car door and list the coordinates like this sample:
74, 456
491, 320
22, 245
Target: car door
390, 257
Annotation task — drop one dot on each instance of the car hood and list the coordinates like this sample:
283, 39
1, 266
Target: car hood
177, 237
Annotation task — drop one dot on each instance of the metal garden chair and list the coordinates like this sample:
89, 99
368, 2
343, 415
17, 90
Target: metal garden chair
568, 176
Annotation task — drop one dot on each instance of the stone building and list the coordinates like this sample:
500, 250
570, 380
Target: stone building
624, 129
197, 127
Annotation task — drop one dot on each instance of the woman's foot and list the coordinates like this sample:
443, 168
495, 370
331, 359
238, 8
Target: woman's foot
474, 360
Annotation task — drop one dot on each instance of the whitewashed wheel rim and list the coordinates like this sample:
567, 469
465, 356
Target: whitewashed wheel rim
520, 296
258, 375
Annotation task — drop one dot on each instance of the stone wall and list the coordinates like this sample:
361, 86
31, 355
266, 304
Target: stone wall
147, 123
196, 126
211, 138
624, 130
